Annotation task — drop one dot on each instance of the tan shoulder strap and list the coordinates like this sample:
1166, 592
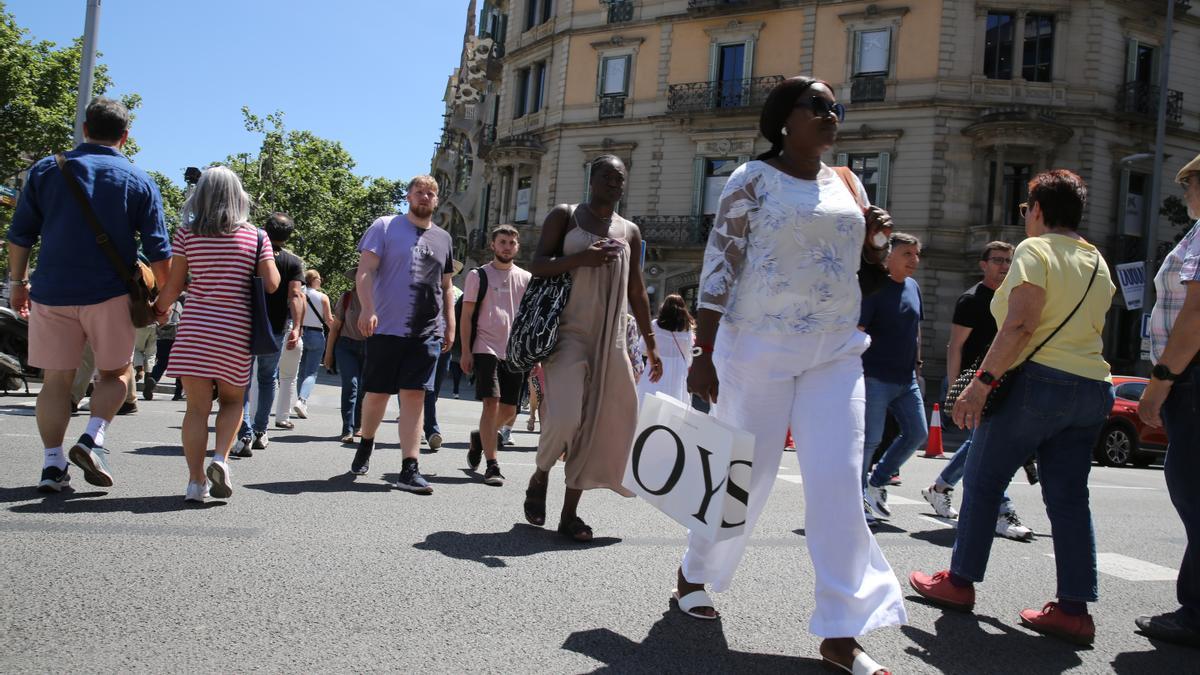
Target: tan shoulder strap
847, 177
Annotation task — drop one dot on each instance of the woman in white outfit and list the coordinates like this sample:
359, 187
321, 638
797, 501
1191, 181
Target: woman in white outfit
780, 282
673, 335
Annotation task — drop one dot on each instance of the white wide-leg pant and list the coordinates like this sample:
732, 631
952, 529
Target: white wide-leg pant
815, 384
285, 394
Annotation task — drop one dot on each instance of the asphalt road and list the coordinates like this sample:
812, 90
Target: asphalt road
307, 569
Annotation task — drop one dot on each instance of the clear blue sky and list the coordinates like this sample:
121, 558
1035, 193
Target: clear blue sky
368, 73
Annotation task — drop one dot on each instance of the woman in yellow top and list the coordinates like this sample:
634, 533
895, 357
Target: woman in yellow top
1051, 309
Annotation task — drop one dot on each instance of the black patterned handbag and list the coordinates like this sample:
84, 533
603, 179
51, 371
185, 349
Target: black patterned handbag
535, 328
1002, 388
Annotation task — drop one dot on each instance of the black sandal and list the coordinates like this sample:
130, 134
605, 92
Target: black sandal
576, 530
535, 504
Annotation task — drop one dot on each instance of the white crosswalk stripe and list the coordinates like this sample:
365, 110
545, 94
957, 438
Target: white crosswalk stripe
1131, 569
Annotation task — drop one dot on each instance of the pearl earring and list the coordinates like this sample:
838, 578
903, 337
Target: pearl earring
783, 131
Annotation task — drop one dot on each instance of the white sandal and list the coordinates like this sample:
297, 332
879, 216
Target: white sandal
689, 603
863, 665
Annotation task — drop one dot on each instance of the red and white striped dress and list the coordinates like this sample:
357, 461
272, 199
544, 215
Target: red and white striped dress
213, 341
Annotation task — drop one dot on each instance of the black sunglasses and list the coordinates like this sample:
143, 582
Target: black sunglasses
821, 107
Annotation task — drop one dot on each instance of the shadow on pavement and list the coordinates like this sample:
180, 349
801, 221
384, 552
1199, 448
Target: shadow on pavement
675, 640
941, 536
19, 410
79, 502
343, 482
1164, 658
298, 438
489, 548
158, 451
959, 643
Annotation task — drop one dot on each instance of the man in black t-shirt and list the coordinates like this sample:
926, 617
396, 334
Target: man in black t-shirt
971, 333
287, 302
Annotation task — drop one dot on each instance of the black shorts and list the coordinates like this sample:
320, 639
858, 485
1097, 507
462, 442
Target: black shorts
396, 363
492, 380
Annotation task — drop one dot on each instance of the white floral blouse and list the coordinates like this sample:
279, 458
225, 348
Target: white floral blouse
783, 253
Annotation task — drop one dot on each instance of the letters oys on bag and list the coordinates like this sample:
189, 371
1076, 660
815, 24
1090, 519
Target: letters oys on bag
691, 467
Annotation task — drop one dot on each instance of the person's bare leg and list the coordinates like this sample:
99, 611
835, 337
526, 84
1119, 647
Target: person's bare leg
195, 424
683, 586
109, 392
412, 412
373, 409
54, 406
488, 423
229, 418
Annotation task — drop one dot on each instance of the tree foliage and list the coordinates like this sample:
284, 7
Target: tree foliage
312, 179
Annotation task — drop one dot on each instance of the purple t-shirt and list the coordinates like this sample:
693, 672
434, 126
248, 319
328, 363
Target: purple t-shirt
408, 284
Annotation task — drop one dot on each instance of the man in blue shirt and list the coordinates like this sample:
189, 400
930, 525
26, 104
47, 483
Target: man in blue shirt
75, 296
892, 317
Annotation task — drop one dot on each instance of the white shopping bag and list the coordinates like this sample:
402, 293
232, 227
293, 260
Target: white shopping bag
691, 467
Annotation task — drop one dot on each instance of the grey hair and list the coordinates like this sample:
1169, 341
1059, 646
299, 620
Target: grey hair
218, 204
904, 239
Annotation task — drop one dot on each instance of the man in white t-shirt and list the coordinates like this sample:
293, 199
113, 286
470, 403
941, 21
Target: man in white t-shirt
484, 329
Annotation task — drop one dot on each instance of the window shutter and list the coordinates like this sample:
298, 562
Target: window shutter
1131, 50
587, 182
881, 191
1123, 199
697, 186
628, 66
843, 159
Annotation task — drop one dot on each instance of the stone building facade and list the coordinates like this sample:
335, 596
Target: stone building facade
952, 106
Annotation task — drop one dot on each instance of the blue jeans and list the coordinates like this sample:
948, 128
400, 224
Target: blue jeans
1181, 416
431, 397
904, 402
958, 464
310, 361
266, 370
1058, 416
349, 356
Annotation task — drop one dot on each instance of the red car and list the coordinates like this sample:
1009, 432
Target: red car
1126, 439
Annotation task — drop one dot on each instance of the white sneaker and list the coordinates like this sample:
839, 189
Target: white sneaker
1009, 525
506, 436
197, 491
870, 517
218, 475
877, 499
300, 410
941, 502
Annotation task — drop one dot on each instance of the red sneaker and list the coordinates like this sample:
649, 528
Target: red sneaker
1080, 629
940, 591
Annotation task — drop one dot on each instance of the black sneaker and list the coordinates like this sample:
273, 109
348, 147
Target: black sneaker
492, 475
148, 388
411, 480
90, 457
475, 451
260, 440
362, 460
128, 408
242, 447
54, 479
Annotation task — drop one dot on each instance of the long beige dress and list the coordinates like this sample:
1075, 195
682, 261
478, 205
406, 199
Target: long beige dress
591, 399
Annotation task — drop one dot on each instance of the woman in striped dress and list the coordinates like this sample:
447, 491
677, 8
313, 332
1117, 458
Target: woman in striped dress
219, 249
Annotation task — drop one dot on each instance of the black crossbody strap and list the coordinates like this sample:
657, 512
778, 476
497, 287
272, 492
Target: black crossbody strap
89, 214
1079, 304
314, 309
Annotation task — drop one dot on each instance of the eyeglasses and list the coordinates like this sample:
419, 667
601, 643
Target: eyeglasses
821, 107
1024, 206
1000, 261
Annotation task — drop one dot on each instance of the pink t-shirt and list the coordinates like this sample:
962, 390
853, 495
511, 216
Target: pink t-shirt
500, 303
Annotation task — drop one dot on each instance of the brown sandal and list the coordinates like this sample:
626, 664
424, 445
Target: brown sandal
535, 504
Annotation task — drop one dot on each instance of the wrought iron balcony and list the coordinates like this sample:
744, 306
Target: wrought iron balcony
724, 95
868, 88
675, 230
612, 107
620, 11
1139, 98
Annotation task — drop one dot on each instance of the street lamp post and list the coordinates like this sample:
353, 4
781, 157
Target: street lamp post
87, 65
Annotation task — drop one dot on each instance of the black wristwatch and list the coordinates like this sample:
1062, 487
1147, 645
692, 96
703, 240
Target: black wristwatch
1161, 372
985, 377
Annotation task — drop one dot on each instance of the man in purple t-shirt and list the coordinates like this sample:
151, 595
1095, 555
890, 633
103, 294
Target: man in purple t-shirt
407, 316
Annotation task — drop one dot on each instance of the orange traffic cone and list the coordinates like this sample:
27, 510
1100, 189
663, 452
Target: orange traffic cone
934, 448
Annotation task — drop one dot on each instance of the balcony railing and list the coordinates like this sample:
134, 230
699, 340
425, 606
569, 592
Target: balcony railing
612, 107
868, 88
724, 95
675, 230
713, 6
620, 11
1139, 98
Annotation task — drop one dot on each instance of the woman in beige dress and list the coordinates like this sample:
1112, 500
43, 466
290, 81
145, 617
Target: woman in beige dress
590, 409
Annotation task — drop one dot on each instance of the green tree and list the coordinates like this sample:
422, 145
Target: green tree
172, 198
312, 179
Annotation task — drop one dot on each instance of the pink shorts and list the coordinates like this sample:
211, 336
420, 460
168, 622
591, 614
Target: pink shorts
57, 334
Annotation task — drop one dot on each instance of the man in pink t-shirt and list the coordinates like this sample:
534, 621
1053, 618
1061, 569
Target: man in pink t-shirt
485, 341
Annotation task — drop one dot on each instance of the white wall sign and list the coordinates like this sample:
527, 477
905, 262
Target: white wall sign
1132, 277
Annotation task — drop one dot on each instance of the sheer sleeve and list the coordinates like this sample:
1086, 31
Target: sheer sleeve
725, 253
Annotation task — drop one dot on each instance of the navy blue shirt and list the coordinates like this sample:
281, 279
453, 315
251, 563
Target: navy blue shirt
71, 268
892, 317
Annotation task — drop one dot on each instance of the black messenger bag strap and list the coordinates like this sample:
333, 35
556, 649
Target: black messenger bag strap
89, 214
